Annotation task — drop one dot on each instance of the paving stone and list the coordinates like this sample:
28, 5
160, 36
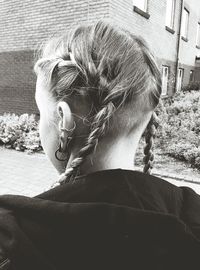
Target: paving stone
25, 174
32, 174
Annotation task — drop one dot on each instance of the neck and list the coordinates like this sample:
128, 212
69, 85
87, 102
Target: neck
110, 155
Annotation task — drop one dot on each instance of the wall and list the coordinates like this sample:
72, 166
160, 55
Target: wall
161, 42
24, 25
17, 82
188, 49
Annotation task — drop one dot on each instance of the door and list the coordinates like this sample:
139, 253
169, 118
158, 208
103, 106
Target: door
179, 79
165, 75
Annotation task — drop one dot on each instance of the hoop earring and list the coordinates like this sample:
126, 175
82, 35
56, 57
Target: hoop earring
59, 150
62, 144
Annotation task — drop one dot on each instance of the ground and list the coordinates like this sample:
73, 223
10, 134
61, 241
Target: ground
174, 171
25, 174
30, 174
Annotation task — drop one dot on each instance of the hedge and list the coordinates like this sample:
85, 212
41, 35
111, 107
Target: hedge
178, 134
179, 131
20, 132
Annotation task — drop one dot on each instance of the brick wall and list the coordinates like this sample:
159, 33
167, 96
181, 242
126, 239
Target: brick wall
188, 49
25, 23
161, 42
17, 82
197, 74
23, 26
197, 71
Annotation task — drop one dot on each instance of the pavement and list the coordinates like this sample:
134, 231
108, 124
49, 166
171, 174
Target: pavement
31, 174
25, 174
181, 182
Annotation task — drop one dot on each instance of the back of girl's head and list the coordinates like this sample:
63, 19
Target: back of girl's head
109, 71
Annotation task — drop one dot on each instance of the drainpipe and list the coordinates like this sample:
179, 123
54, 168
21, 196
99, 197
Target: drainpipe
178, 45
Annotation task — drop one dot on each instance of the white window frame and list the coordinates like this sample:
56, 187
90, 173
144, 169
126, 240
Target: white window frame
198, 35
170, 12
141, 4
165, 79
185, 23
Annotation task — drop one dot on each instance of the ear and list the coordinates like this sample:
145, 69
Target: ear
65, 115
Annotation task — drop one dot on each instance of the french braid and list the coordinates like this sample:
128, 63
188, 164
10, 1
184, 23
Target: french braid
98, 129
149, 136
99, 123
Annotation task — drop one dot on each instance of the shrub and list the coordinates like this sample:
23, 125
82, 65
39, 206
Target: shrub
20, 132
178, 134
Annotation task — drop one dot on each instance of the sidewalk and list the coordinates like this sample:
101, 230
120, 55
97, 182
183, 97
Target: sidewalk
31, 174
177, 180
25, 174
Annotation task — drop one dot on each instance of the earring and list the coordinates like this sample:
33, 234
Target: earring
69, 133
64, 143
59, 150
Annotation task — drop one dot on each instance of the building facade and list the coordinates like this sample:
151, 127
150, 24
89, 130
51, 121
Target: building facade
170, 27
172, 30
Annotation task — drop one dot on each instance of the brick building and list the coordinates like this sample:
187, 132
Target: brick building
171, 27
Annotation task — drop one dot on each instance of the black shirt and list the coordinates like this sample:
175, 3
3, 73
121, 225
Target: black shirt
114, 219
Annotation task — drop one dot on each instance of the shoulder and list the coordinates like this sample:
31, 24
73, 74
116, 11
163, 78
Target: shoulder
7, 227
4, 263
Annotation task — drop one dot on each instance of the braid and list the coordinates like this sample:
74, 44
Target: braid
98, 129
149, 136
107, 68
99, 125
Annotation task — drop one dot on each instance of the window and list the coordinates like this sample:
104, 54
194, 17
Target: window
198, 36
169, 22
165, 75
185, 23
191, 75
140, 7
141, 4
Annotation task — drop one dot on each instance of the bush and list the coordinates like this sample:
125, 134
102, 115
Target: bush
20, 132
179, 132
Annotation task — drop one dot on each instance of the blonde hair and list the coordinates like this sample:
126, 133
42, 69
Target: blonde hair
109, 67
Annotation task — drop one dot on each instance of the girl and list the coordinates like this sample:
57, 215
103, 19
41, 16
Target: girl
97, 88
100, 85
